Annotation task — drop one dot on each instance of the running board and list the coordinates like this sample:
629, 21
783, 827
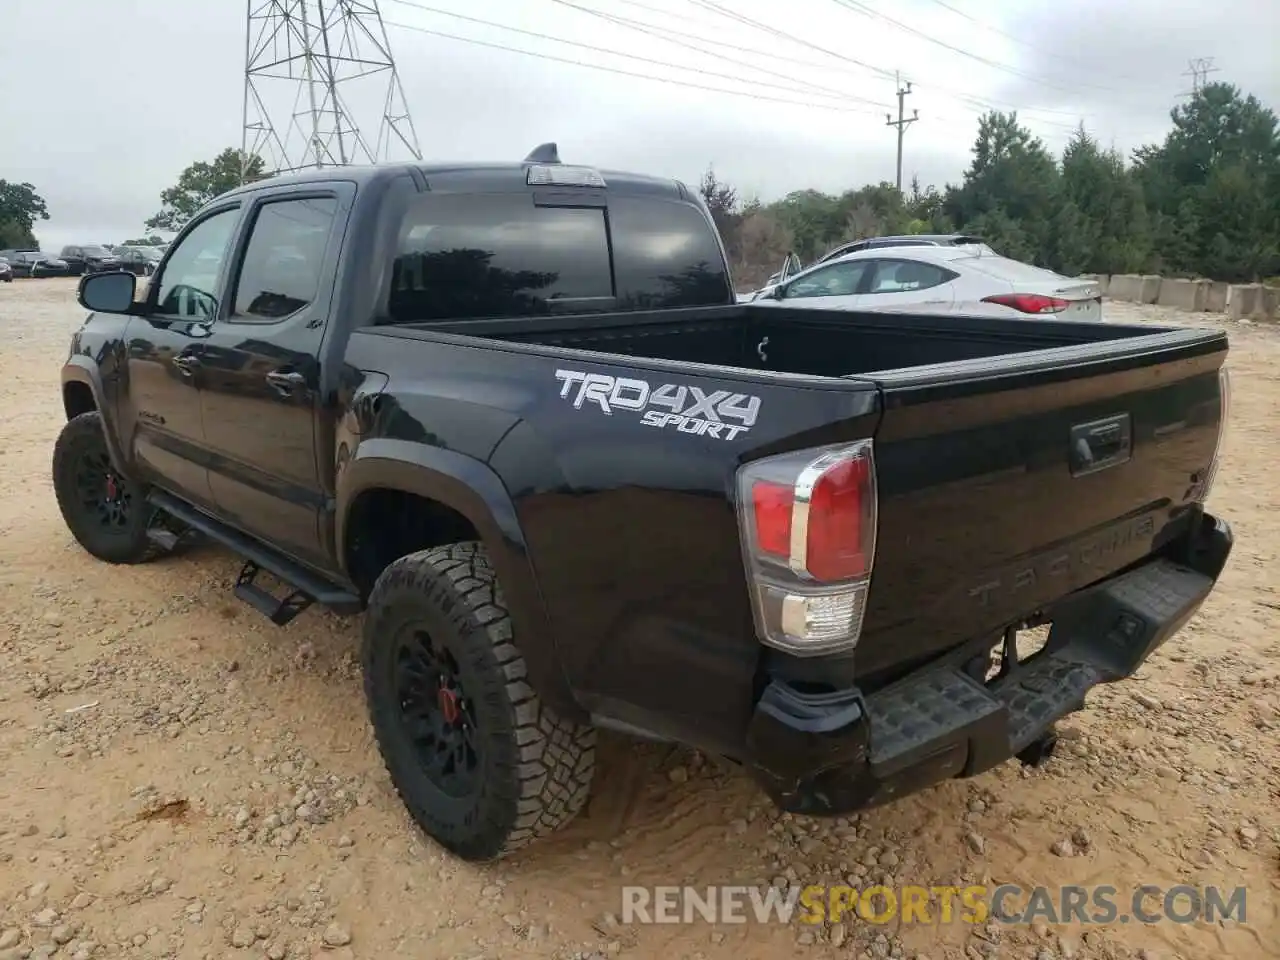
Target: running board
307, 587
278, 611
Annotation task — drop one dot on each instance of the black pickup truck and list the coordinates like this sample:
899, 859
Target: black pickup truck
514, 413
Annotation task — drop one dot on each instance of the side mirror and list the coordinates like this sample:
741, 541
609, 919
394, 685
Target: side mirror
107, 292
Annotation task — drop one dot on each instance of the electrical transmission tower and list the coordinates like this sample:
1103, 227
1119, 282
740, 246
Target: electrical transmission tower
901, 123
313, 69
1201, 67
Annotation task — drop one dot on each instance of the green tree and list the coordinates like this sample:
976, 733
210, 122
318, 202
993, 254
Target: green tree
20, 208
200, 183
1205, 201
720, 197
1110, 222
1009, 194
1214, 186
814, 220
925, 208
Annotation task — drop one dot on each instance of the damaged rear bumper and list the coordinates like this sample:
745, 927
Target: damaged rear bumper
835, 752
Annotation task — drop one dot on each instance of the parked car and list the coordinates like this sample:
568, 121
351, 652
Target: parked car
905, 240
514, 414
962, 280
92, 258
6, 272
141, 261
33, 263
791, 266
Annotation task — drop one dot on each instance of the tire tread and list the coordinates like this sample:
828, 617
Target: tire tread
554, 756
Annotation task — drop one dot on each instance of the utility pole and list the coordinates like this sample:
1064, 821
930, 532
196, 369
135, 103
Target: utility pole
1201, 67
901, 123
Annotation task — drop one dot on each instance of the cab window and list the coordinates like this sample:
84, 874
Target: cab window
189, 284
476, 256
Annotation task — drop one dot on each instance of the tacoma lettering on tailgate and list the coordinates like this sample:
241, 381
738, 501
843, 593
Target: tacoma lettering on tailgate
719, 414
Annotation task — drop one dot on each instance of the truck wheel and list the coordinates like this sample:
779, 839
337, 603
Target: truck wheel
107, 513
482, 764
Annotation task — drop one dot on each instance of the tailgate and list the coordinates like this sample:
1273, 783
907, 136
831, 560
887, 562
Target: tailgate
1008, 482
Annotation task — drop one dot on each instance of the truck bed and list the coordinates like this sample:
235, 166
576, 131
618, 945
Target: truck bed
825, 343
1018, 460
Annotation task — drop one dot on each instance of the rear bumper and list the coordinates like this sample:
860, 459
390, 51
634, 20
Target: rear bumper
838, 752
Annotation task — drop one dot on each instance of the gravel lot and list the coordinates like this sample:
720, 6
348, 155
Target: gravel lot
179, 778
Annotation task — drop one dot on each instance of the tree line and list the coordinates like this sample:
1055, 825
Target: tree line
1205, 202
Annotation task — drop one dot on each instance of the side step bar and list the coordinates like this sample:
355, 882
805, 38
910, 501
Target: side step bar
307, 587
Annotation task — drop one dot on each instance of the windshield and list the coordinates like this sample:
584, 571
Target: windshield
96, 251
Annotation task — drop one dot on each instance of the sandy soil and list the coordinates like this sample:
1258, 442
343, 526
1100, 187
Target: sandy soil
179, 778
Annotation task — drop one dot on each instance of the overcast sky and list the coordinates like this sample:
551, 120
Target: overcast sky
103, 104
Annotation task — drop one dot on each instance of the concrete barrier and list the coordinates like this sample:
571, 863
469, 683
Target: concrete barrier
1125, 286
1244, 300
1103, 281
1267, 305
1189, 295
1239, 301
1215, 298
1149, 292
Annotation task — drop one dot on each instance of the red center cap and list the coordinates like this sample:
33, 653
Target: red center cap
448, 705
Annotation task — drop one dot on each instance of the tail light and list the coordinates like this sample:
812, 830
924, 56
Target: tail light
1029, 302
808, 523
1224, 390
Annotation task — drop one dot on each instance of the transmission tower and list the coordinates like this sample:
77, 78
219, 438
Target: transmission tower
313, 69
1201, 67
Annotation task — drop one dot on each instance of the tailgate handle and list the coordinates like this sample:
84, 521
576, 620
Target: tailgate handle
1100, 444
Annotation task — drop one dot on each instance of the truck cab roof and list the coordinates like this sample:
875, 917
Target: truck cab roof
491, 176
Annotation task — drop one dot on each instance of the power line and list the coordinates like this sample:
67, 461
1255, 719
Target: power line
659, 33
972, 100
732, 15
655, 29
901, 123
1022, 41
808, 90
625, 73
866, 11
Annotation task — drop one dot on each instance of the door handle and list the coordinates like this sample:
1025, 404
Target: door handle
285, 382
186, 364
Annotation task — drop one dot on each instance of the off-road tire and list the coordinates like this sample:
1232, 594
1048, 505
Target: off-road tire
534, 767
82, 439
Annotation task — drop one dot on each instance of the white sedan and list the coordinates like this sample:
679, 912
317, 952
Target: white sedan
965, 280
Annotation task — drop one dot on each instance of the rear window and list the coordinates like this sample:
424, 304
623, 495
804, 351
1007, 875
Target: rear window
470, 256
1005, 269
666, 255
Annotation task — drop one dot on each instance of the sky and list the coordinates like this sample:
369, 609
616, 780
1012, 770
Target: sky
102, 105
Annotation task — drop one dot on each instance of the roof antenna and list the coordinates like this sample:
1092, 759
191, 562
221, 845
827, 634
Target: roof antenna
544, 153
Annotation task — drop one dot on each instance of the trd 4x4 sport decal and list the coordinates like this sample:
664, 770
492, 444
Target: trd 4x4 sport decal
719, 414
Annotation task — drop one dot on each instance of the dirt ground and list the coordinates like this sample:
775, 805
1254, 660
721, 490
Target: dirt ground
180, 778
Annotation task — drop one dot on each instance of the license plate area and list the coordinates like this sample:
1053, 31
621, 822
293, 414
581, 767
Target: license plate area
1017, 648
